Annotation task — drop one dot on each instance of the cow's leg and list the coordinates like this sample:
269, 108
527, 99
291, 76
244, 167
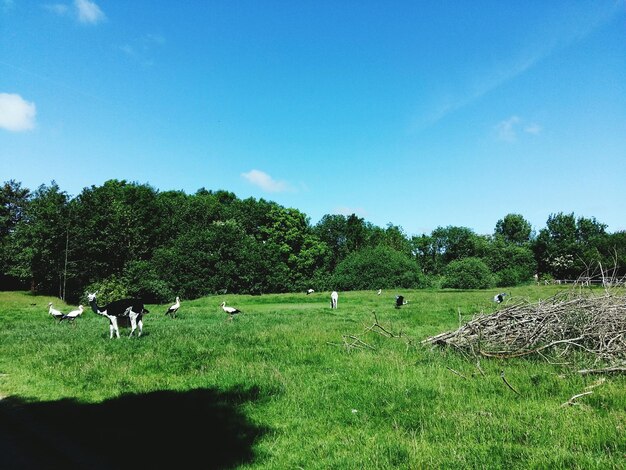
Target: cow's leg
111, 329
116, 327
140, 324
133, 323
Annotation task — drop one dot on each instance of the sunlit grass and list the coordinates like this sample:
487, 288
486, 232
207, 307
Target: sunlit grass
394, 404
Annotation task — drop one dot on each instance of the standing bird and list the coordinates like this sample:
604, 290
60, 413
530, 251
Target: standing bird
230, 310
54, 312
309, 291
380, 291
72, 315
499, 298
174, 308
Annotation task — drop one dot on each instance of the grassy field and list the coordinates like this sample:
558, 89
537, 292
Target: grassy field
277, 388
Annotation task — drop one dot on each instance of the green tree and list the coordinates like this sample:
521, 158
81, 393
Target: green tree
394, 237
614, 249
356, 233
39, 241
220, 258
567, 246
512, 264
555, 246
443, 245
332, 230
13, 202
114, 224
514, 229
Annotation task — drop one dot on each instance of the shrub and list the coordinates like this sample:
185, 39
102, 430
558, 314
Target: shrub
511, 277
377, 268
468, 273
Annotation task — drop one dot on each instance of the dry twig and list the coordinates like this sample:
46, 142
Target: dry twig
567, 322
572, 401
455, 372
507, 383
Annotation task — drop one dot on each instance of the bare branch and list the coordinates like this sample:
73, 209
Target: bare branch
507, 383
455, 372
572, 401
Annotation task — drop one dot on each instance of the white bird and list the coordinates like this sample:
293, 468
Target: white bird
230, 310
309, 291
174, 308
73, 314
499, 298
334, 297
54, 312
379, 292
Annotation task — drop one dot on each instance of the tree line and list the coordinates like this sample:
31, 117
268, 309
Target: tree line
126, 238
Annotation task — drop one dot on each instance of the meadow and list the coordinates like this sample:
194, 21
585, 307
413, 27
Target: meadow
277, 387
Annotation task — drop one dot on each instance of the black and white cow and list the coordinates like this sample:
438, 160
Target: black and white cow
123, 312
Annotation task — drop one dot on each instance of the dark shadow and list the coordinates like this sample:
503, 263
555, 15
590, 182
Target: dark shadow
196, 429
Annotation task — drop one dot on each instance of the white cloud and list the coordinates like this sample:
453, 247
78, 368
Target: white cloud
141, 50
508, 129
16, 114
88, 12
533, 128
265, 181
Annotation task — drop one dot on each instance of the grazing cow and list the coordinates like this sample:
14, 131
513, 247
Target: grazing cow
121, 312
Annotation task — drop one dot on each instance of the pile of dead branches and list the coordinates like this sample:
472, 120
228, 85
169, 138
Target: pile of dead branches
553, 328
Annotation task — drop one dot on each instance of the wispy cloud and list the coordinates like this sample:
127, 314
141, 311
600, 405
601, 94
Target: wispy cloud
141, 50
85, 11
533, 128
508, 129
538, 49
266, 182
88, 12
16, 114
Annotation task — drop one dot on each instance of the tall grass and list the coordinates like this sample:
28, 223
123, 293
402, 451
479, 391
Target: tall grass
393, 404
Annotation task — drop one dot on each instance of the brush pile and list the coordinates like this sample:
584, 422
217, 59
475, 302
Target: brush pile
568, 322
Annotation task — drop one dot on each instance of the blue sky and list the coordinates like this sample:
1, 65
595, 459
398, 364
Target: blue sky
416, 113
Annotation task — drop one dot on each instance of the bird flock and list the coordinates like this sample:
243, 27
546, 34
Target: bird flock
129, 312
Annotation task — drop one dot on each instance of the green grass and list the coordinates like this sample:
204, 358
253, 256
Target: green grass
296, 398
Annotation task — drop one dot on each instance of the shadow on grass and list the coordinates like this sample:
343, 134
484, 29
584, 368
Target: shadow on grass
196, 429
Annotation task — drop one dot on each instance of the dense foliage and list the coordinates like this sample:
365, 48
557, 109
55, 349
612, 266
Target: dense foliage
468, 273
131, 238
